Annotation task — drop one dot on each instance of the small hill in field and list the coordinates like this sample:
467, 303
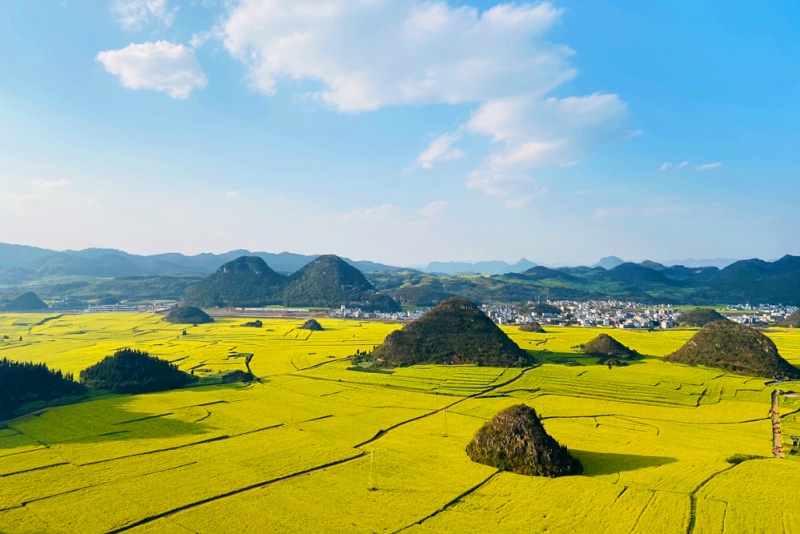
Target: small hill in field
515, 440
246, 281
188, 315
312, 324
26, 302
608, 348
699, 317
329, 282
793, 321
734, 348
454, 332
532, 327
22, 382
134, 371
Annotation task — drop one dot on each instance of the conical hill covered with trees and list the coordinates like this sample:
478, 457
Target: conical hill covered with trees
515, 440
734, 348
454, 332
134, 371
326, 282
28, 301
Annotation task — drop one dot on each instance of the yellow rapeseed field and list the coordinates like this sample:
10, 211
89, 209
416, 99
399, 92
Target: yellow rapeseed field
314, 446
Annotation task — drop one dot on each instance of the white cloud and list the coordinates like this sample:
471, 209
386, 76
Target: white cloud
232, 194
665, 166
709, 166
533, 132
368, 54
161, 66
48, 186
133, 15
682, 164
440, 149
434, 208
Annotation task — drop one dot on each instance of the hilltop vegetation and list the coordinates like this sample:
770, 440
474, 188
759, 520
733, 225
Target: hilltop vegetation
699, 317
188, 315
243, 282
134, 371
454, 332
515, 440
533, 326
607, 348
326, 282
311, 324
793, 321
22, 382
734, 348
329, 282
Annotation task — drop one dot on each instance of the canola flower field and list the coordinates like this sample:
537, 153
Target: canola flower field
313, 446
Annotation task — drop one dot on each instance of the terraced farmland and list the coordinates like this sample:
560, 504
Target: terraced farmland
314, 446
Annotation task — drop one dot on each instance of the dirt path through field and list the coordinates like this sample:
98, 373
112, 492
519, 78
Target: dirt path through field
777, 446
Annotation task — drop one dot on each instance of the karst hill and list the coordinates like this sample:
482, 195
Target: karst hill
699, 317
515, 440
245, 281
454, 332
325, 282
26, 302
734, 348
188, 315
607, 348
328, 281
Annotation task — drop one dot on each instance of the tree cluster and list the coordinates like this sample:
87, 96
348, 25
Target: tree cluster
134, 371
22, 382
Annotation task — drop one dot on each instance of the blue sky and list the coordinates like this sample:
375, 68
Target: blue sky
403, 131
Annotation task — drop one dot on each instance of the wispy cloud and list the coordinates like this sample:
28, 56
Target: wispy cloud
440, 149
133, 15
434, 208
232, 194
709, 166
665, 166
161, 66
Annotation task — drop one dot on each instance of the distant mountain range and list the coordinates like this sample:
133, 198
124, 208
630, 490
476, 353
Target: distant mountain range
107, 273
20, 263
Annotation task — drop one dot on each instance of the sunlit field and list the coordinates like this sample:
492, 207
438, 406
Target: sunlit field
314, 446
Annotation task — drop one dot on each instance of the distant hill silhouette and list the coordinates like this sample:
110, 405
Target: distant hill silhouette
246, 281
133, 371
515, 440
734, 348
699, 317
188, 315
608, 348
454, 332
26, 302
609, 262
329, 282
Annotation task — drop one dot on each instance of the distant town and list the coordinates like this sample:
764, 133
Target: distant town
602, 313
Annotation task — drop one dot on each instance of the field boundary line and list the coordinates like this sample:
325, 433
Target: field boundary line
452, 502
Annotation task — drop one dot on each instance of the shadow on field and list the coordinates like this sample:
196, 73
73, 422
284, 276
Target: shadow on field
111, 419
608, 463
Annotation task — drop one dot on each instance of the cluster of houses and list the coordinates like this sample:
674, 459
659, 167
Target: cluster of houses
762, 314
357, 313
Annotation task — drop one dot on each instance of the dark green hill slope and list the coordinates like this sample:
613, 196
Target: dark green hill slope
734, 348
329, 282
454, 332
26, 302
515, 440
608, 348
760, 281
188, 315
245, 281
793, 321
699, 317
